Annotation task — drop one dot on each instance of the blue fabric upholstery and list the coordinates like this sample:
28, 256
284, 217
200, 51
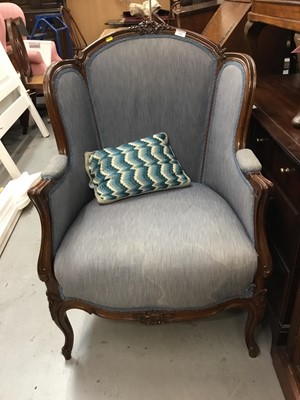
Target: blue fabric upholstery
150, 251
131, 95
56, 168
221, 171
247, 161
77, 116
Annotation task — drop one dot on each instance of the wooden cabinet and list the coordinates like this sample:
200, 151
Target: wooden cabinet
293, 345
277, 145
286, 358
281, 13
194, 16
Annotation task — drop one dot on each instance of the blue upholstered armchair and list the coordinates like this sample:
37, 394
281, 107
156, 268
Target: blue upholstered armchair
165, 255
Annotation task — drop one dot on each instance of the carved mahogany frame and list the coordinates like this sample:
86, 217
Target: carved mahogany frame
255, 305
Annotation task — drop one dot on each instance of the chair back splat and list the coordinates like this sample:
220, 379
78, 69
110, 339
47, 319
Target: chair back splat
21, 59
141, 111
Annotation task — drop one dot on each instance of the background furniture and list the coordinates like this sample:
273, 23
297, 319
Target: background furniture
53, 24
19, 56
291, 355
11, 10
226, 27
78, 40
21, 59
14, 101
31, 8
277, 144
91, 15
195, 15
172, 255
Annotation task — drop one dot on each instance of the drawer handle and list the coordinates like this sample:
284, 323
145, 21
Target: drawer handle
261, 140
287, 170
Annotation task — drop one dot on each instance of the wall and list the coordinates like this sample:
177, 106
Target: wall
90, 15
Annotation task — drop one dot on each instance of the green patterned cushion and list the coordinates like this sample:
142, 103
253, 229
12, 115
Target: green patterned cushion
146, 165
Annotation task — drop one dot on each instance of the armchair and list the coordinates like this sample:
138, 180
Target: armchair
167, 256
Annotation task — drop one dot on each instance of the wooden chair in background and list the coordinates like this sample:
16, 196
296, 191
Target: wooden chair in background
21, 59
21, 62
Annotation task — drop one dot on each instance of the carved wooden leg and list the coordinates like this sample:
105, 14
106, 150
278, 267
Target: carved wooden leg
67, 330
255, 314
250, 328
59, 316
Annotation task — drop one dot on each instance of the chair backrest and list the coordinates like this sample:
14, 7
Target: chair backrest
19, 52
137, 96
77, 38
9, 10
139, 85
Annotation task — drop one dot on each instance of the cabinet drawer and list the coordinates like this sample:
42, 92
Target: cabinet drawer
277, 166
262, 145
283, 227
286, 174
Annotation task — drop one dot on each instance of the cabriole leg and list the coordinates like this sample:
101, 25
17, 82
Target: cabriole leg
59, 316
255, 314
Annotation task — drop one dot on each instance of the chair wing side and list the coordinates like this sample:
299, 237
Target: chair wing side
228, 130
75, 130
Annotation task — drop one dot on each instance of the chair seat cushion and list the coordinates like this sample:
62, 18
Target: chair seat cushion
181, 249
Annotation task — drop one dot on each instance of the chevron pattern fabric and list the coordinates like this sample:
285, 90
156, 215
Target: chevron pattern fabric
146, 165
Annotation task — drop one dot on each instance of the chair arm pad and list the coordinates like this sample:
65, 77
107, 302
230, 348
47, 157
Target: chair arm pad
247, 161
55, 168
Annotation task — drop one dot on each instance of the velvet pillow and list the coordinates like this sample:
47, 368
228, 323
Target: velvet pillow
146, 165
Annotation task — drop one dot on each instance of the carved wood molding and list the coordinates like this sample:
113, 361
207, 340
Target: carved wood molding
149, 27
155, 318
262, 188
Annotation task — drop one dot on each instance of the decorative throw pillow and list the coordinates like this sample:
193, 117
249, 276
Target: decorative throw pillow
146, 165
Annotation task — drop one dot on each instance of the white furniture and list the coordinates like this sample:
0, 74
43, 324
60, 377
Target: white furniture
43, 46
14, 100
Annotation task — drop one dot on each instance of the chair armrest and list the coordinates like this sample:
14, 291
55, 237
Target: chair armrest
247, 161
55, 168
54, 199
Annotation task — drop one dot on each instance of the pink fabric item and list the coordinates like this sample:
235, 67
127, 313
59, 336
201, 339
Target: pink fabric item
2, 32
38, 68
54, 54
35, 56
11, 10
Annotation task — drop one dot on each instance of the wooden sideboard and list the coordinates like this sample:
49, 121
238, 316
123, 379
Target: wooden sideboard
277, 145
276, 142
